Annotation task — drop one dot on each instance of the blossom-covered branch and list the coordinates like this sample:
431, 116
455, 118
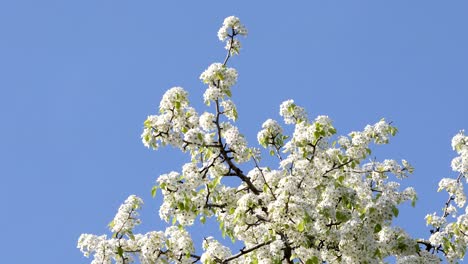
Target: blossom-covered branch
324, 202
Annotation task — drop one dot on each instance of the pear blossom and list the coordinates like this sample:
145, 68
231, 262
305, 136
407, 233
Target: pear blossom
207, 121
219, 73
127, 216
233, 23
292, 113
326, 201
214, 251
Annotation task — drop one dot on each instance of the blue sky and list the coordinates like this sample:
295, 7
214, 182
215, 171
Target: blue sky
78, 78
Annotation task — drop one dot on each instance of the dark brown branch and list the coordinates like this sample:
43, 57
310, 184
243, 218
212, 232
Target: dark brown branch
228, 159
334, 167
263, 176
245, 251
231, 39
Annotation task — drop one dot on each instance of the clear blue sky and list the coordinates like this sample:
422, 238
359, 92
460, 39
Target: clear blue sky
78, 78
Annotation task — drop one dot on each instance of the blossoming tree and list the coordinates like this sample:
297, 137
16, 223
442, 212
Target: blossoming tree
323, 203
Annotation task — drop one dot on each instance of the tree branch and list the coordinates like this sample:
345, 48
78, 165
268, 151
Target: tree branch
245, 251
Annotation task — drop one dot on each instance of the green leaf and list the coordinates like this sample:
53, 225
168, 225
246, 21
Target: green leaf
395, 211
228, 92
428, 219
301, 226
342, 217
130, 235
220, 76
341, 179
402, 246
177, 104
216, 181
232, 210
378, 254
120, 251
377, 228
147, 123
153, 191
186, 203
316, 134
313, 260
180, 205
203, 219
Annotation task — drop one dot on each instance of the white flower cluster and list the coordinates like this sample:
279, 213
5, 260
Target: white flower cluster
324, 203
214, 251
292, 113
271, 134
127, 216
423, 257
177, 202
455, 189
237, 143
151, 244
460, 145
229, 109
195, 136
176, 117
451, 235
233, 46
380, 170
229, 30
220, 79
231, 26
219, 75
174, 99
88, 243
357, 145
179, 242
207, 121
174, 244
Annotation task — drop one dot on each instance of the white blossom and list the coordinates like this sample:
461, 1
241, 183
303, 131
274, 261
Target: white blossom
237, 143
207, 121
231, 23
214, 251
220, 76
292, 113
460, 141
326, 201
127, 216
271, 134
233, 46
229, 109
174, 98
